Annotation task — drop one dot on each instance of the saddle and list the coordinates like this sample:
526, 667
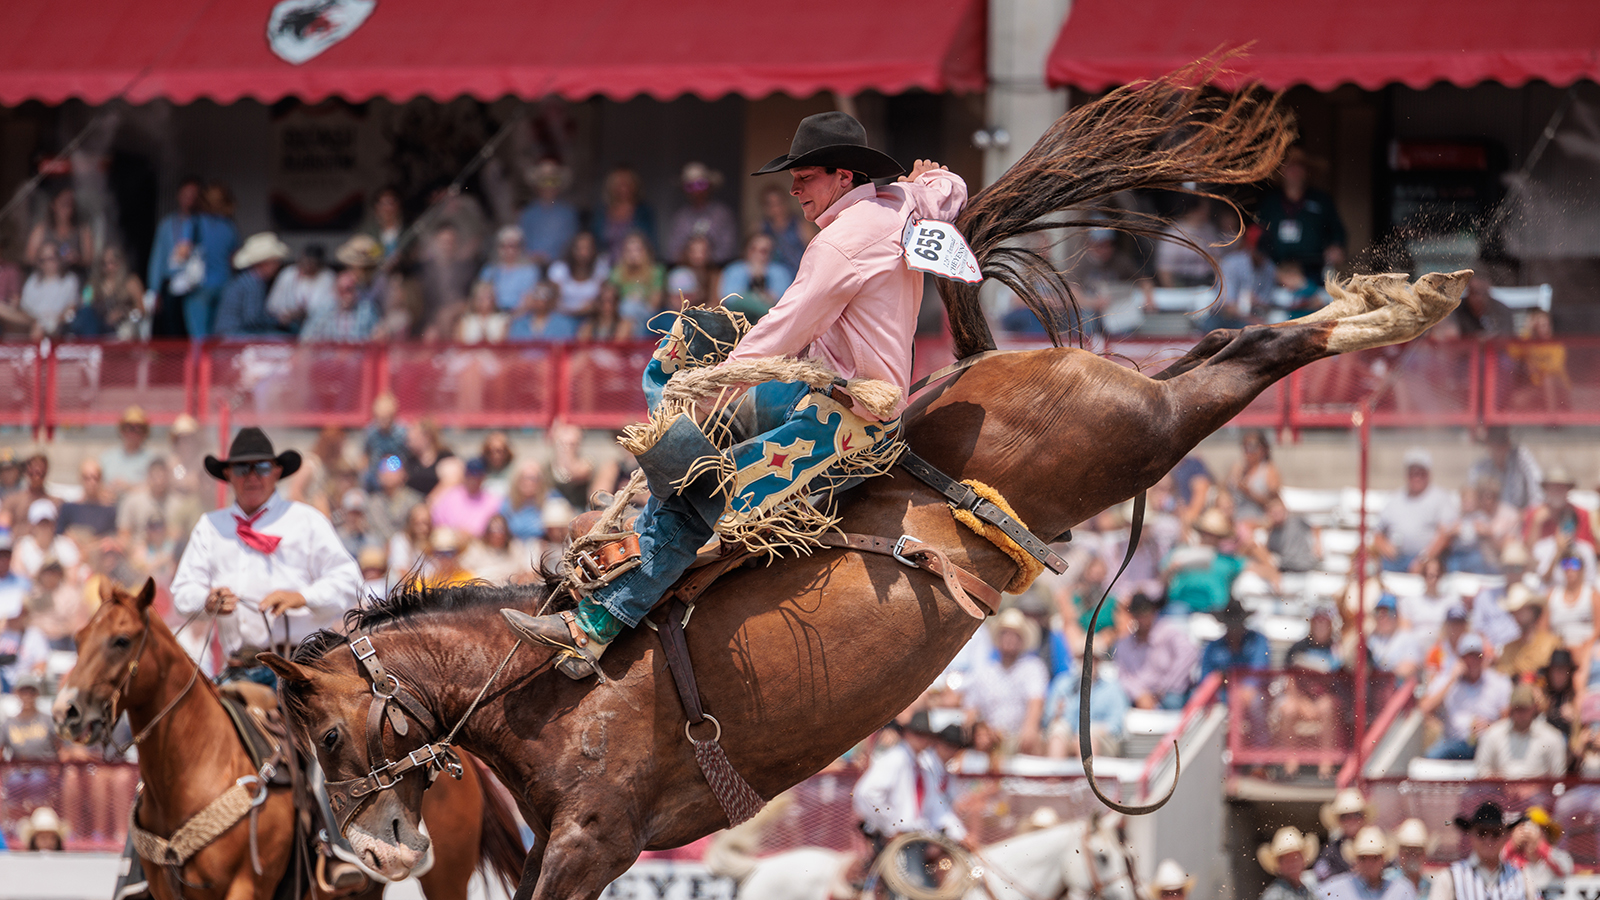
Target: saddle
253, 709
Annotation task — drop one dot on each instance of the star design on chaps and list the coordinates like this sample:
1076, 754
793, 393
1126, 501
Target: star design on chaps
779, 459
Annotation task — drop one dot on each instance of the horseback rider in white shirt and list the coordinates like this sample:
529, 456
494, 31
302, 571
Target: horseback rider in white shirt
264, 561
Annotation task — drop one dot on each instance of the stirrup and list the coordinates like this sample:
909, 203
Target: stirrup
579, 655
347, 877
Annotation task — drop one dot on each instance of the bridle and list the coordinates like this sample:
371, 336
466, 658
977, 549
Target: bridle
391, 699
115, 703
1097, 885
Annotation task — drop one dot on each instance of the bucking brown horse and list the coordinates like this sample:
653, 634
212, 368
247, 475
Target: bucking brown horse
190, 754
802, 659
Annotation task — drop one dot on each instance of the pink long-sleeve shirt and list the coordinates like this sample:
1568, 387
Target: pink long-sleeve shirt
853, 304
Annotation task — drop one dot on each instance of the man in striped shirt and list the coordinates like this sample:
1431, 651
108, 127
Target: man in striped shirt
1483, 876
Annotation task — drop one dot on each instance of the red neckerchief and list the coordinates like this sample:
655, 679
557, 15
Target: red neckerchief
255, 540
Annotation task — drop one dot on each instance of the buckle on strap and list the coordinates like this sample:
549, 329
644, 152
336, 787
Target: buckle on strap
428, 758
899, 551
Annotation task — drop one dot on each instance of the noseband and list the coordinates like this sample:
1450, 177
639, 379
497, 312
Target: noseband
391, 699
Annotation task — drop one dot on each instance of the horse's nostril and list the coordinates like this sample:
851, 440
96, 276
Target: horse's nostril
396, 826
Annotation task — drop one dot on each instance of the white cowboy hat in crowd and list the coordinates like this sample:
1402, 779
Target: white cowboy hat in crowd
44, 819
1412, 833
1013, 619
1369, 841
1287, 840
1346, 801
259, 248
1169, 877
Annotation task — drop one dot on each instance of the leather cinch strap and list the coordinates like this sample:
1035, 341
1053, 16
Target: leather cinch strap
963, 497
918, 555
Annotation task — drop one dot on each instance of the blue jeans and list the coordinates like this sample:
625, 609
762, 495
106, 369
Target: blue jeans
1450, 748
197, 307
1400, 563
670, 534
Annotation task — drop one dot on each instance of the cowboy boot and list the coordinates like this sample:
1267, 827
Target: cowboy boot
583, 633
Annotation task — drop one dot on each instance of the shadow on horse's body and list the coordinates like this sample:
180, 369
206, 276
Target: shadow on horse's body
802, 659
129, 660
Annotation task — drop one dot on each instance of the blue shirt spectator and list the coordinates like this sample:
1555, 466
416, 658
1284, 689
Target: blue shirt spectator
512, 275
242, 312
757, 279
548, 223
541, 322
1108, 708
1238, 648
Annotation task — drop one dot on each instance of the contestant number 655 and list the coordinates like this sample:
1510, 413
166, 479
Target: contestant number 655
929, 242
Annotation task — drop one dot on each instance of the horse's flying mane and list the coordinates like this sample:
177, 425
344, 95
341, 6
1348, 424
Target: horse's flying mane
1174, 133
411, 598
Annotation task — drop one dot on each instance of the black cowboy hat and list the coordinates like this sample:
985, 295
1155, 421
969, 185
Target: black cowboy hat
834, 140
1233, 613
953, 735
919, 724
252, 445
1488, 813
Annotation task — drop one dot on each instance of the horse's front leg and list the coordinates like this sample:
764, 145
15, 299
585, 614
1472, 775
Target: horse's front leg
585, 854
531, 868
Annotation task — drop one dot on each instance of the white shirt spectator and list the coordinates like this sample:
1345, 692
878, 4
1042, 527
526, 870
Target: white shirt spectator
48, 300
1391, 652
310, 560
1412, 523
1424, 614
1465, 702
1504, 752
1001, 695
886, 796
294, 296
27, 555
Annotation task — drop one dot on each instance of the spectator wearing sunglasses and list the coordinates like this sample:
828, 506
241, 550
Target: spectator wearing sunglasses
264, 561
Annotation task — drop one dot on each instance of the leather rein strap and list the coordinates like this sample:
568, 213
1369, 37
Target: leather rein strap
965, 498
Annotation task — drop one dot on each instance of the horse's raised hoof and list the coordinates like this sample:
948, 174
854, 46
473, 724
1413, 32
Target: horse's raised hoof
1396, 311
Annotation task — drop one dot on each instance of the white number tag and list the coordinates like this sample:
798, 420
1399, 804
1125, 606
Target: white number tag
937, 247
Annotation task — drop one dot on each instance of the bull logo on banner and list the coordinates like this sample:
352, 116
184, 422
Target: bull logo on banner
299, 30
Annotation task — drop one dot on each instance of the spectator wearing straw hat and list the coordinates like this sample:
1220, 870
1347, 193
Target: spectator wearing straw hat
41, 832
125, 465
1285, 859
242, 311
1483, 874
1368, 855
1532, 847
1200, 579
1007, 692
1521, 745
1170, 882
549, 223
1343, 817
1533, 647
703, 216
40, 542
1413, 844
1556, 516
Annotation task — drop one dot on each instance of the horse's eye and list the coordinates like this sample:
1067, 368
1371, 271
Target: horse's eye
121, 642
330, 739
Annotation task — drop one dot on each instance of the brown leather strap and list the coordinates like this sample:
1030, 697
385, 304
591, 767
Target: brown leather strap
676, 649
918, 555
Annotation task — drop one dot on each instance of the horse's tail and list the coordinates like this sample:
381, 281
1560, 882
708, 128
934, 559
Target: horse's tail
732, 852
500, 850
1173, 133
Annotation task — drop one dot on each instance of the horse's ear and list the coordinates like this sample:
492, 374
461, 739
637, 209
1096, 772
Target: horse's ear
290, 672
108, 591
147, 594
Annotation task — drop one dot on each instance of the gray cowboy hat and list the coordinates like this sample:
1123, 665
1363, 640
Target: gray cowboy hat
252, 445
833, 140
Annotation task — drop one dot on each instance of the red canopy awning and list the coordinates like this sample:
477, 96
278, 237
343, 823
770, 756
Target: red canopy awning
1368, 42
183, 50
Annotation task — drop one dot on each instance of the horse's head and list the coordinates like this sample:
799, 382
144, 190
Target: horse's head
330, 711
1108, 856
111, 646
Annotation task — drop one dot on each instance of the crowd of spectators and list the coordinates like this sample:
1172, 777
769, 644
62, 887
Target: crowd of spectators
554, 272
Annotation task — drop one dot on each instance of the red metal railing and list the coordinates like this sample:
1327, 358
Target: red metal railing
1401, 700
50, 385
1198, 703
1295, 717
